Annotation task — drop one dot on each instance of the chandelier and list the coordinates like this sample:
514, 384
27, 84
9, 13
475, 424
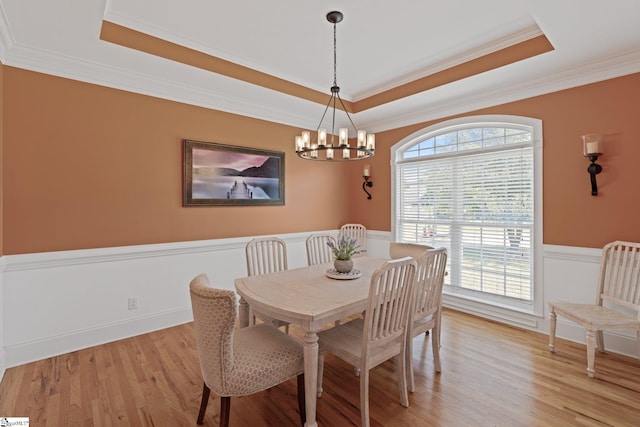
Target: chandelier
328, 146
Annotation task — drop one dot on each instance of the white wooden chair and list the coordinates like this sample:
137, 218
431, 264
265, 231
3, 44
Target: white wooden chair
617, 304
427, 306
239, 362
266, 255
318, 252
381, 335
358, 232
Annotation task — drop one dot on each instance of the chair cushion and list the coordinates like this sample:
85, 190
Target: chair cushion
263, 356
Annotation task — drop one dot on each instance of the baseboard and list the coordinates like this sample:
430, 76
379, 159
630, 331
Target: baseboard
492, 312
78, 340
3, 363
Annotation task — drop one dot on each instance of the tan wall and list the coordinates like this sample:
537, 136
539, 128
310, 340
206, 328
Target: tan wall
86, 166
571, 215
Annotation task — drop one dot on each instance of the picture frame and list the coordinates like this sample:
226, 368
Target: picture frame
226, 175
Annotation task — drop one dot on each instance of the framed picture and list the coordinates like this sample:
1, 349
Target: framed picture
218, 174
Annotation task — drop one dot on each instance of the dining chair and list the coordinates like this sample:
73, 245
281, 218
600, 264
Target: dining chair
367, 342
239, 362
414, 250
426, 311
266, 255
358, 232
318, 252
618, 296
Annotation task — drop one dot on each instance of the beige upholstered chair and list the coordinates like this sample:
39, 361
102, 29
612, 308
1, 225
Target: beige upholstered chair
401, 250
318, 252
380, 335
266, 255
239, 362
358, 232
618, 297
427, 305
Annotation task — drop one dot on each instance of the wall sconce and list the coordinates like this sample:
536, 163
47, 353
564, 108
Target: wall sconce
366, 173
592, 147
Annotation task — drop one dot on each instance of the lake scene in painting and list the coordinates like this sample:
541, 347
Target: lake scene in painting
229, 175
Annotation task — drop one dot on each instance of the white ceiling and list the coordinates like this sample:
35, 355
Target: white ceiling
380, 45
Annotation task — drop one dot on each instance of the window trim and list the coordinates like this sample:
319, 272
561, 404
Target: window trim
461, 299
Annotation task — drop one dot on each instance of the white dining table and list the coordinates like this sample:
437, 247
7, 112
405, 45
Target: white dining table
308, 298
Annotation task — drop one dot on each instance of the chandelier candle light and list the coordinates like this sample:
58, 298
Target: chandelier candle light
323, 142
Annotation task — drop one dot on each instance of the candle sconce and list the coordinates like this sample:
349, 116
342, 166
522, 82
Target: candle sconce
366, 174
592, 147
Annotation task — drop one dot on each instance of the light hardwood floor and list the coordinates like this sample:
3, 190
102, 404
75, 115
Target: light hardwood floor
492, 375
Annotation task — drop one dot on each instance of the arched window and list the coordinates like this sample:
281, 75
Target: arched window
473, 186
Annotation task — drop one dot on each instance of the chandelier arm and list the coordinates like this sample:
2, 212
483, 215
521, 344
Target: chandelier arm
325, 112
345, 110
333, 118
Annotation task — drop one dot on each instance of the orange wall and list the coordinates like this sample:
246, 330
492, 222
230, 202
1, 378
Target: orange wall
86, 166
572, 216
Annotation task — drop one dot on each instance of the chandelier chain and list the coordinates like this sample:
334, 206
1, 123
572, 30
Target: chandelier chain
335, 57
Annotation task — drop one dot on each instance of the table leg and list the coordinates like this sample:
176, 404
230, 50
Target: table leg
311, 377
243, 313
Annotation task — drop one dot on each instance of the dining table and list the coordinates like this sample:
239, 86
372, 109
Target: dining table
313, 298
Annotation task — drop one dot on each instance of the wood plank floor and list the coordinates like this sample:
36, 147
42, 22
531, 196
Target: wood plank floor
492, 375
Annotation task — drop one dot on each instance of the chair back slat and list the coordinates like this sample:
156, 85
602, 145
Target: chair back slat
358, 232
389, 302
429, 281
318, 252
619, 280
266, 255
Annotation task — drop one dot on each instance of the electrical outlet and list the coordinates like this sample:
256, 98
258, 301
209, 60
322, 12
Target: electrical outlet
133, 303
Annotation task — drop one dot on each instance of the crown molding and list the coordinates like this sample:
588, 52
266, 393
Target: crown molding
291, 112
179, 39
591, 72
6, 37
430, 69
253, 101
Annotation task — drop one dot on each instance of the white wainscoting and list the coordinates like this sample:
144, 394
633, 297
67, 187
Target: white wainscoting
570, 274
3, 358
63, 301
57, 302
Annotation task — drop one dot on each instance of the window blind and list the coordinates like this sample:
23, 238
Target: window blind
477, 202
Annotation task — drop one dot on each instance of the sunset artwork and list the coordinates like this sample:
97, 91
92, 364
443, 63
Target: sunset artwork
217, 174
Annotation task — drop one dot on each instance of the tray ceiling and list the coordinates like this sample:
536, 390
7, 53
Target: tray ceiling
398, 65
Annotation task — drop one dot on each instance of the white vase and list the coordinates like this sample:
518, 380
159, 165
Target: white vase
343, 265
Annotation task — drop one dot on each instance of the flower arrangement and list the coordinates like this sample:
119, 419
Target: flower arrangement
344, 249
